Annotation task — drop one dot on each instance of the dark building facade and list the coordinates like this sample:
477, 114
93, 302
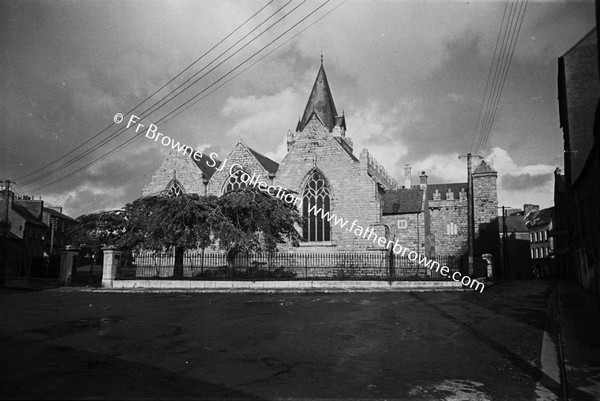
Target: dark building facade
577, 228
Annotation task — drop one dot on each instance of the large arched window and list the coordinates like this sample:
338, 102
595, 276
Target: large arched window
234, 182
316, 193
175, 189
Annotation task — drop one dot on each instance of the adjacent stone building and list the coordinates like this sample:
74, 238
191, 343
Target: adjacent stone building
322, 167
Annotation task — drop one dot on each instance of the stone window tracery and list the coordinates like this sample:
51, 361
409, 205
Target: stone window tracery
234, 182
175, 189
316, 193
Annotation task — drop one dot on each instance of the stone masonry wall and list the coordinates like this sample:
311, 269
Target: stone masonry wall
443, 212
353, 193
179, 166
485, 201
408, 229
242, 156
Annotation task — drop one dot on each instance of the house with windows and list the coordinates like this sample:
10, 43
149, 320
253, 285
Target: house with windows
322, 167
540, 225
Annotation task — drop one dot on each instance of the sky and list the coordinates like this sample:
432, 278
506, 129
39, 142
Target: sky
410, 77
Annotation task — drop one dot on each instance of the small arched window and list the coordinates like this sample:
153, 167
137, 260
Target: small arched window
316, 194
234, 182
451, 229
175, 189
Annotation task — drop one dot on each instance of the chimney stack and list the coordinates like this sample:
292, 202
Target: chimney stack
407, 181
423, 180
529, 208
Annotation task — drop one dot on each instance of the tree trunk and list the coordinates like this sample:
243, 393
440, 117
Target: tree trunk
178, 268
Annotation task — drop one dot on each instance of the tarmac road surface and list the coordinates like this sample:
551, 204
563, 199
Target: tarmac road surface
497, 345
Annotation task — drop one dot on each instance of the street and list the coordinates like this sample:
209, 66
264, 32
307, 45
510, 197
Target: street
421, 345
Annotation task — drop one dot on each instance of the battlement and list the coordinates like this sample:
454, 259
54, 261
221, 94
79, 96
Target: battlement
378, 172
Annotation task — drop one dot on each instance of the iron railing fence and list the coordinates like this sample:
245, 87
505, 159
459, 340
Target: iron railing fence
282, 266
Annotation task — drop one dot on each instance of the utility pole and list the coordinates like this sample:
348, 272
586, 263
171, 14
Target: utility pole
5, 224
53, 227
504, 244
470, 210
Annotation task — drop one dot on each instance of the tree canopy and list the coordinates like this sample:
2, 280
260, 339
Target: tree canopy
245, 220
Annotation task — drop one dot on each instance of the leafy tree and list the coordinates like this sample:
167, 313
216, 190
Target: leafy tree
171, 223
97, 230
244, 220
254, 221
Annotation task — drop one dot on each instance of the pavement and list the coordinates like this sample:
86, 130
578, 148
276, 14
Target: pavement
579, 321
507, 343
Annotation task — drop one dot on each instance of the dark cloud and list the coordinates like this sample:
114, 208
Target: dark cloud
412, 72
525, 181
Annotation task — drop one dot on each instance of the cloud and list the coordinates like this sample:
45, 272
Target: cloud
262, 121
525, 181
531, 184
380, 131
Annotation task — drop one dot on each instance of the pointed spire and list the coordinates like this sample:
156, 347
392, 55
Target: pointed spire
320, 102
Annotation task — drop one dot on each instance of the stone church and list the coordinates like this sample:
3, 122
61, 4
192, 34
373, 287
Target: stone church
322, 166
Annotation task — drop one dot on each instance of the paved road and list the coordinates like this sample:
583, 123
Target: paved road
442, 345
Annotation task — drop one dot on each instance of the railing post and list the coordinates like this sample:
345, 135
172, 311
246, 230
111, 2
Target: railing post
112, 258
68, 259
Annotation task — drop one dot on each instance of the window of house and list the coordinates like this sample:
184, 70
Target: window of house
175, 189
316, 192
451, 229
532, 253
402, 224
235, 181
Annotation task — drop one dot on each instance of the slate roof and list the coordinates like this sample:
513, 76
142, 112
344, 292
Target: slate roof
58, 214
483, 168
207, 171
403, 201
269, 165
341, 142
443, 189
320, 102
513, 224
539, 218
26, 214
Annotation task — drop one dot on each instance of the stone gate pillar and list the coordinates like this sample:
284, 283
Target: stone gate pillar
490, 270
112, 258
68, 262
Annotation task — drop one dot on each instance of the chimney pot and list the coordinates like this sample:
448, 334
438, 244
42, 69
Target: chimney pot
423, 180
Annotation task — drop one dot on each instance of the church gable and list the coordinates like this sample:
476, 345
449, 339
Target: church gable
247, 159
181, 168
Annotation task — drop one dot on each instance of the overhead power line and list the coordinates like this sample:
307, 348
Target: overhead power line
191, 99
505, 75
507, 38
149, 111
154, 93
253, 64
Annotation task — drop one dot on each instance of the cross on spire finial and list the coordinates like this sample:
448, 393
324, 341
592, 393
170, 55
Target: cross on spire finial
321, 58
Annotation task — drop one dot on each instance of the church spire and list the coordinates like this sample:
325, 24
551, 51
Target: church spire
320, 103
